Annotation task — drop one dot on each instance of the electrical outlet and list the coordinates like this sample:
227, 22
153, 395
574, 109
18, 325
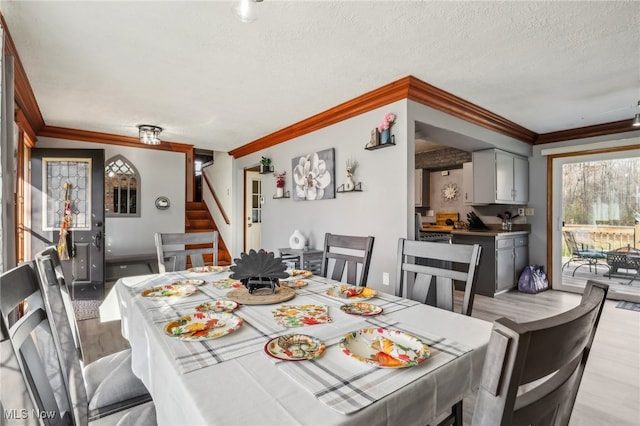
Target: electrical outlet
385, 278
521, 211
528, 211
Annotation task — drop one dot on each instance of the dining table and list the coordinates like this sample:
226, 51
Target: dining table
233, 379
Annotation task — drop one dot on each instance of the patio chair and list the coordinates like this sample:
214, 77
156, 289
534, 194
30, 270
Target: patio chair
585, 254
523, 381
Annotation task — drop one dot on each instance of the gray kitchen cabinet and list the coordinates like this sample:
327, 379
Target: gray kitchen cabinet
422, 188
467, 183
506, 175
503, 258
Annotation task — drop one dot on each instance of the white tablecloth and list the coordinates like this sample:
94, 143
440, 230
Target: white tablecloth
234, 382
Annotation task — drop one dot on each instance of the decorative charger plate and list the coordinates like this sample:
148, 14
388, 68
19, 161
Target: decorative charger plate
203, 326
242, 296
189, 282
361, 308
218, 306
294, 347
349, 292
169, 291
293, 283
385, 348
210, 268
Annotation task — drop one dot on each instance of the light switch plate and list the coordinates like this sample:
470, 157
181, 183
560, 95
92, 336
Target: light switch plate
528, 211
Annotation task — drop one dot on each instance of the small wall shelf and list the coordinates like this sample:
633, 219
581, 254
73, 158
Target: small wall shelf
287, 194
370, 147
357, 188
265, 170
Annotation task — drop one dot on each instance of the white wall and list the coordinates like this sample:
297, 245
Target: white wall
381, 209
219, 174
161, 173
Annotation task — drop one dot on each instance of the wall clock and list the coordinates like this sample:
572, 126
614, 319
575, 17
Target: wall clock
450, 191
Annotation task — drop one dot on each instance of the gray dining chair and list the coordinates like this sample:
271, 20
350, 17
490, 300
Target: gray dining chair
346, 258
177, 250
52, 387
426, 272
532, 371
109, 381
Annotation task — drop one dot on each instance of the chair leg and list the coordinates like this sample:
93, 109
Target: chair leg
455, 418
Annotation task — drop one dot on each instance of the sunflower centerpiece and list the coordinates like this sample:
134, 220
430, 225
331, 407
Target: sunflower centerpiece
259, 271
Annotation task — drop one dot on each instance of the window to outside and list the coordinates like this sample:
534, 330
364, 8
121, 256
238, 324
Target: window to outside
121, 188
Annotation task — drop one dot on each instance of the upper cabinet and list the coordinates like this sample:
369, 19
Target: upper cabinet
467, 183
506, 176
422, 187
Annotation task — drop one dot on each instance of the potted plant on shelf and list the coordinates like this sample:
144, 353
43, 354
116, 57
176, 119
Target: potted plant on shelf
385, 128
280, 183
265, 165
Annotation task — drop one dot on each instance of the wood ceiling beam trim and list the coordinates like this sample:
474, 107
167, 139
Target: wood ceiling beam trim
431, 96
587, 132
107, 138
23, 93
377, 98
24, 124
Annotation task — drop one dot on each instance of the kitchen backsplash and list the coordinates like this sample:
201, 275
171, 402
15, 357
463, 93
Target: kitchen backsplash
439, 203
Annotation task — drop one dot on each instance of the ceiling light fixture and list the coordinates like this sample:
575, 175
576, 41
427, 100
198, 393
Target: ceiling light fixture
150, 135
636, 120
245, 10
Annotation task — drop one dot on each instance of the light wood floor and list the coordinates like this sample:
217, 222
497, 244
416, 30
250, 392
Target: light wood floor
610, 389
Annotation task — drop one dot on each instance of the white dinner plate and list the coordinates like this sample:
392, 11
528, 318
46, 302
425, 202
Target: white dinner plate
384, 348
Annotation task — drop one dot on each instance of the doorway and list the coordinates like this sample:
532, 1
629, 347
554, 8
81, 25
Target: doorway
67, 196
253, 210
596, 209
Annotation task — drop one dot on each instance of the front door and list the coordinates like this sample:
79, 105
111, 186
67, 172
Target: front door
253, 211
68, 197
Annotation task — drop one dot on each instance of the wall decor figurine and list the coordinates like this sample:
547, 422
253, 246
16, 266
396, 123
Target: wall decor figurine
314, 176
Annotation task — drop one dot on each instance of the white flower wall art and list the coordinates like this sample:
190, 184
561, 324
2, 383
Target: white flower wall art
313, 176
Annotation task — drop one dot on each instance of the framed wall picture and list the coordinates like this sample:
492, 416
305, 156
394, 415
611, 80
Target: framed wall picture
314, 176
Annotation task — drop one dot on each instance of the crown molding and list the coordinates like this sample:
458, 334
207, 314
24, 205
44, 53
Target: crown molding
23, 93
107, 138
435, 98
405, 88
614, 127
377, 98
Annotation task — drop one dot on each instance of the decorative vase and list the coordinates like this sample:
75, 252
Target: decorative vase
385, 136
279, 192
350, 184
297, 240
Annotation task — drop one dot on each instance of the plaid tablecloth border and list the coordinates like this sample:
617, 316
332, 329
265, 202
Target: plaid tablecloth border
347, 385
259, 325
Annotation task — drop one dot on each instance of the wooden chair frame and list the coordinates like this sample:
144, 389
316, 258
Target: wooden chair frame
533, 370
343, 258
176, 247
422, 264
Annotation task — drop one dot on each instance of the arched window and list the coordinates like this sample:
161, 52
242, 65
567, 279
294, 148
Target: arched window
121, 188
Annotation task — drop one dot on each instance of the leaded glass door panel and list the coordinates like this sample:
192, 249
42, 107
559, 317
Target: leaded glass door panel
68, 212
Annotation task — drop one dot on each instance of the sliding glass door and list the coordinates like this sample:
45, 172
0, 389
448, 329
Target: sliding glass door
596, 233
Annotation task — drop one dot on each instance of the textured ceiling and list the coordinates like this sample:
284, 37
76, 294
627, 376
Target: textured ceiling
212, 81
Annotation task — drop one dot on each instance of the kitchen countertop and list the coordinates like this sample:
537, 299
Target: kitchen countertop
489, 233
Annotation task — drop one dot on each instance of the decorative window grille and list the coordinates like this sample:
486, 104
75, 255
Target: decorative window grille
121, 188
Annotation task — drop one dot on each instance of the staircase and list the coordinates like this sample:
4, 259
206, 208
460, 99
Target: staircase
198, 219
